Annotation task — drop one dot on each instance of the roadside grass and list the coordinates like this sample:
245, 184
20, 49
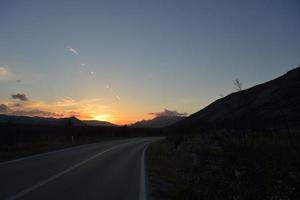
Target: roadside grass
259, 167
25, 140
159, 168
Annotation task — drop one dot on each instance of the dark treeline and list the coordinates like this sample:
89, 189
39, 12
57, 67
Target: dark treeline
20, 140
11, 134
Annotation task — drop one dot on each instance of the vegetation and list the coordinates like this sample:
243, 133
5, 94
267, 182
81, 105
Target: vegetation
260, 166
238, 85
21, 140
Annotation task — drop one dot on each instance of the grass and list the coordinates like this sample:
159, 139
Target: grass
18, 140
159, 168
259, 167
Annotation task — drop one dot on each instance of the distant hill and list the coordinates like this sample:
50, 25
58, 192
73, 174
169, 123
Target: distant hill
274, 104
11, 119
158, 122
97, 123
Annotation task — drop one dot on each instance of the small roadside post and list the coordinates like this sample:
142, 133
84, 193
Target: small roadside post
72, 139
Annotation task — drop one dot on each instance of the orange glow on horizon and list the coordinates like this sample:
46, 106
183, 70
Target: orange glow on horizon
82, 109
117, 120
103, 117
108, 118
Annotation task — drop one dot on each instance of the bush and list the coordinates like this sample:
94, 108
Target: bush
260, 167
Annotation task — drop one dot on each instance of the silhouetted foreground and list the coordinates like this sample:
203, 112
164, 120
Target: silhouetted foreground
244, 146
259, 167
18, 140
158, 122
271, 105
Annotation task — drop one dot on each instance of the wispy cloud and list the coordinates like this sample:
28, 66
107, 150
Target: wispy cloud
17, 104
22, 76
4, 73
37, 113
74, 51
70, 102
21, 97
167, 112
108, 87
117, 97
4, 109
62, 107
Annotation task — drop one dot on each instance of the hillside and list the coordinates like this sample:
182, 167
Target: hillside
11, 119
274, 104
97, 123
158, 122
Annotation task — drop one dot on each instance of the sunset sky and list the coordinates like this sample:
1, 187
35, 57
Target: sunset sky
118, 61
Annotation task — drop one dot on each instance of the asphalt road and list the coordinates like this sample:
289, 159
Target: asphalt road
112, 170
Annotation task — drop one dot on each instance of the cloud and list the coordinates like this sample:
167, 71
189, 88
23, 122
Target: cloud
25, 77
168, 113
74, 51
7, 75
4, 109
61, 108
4, 73
35, 113
17, 104
108, 87
21, 97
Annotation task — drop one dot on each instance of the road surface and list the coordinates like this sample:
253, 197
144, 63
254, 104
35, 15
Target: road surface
112, 170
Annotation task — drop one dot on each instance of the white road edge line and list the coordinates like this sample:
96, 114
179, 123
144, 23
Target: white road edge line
46, 153
143, 193
35, 156
40, 184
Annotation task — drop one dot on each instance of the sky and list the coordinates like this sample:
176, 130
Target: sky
120, 61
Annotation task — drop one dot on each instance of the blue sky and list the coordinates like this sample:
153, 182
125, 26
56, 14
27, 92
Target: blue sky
137, 57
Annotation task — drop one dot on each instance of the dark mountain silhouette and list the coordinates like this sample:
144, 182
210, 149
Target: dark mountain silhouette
274, 104
158, 122
11, 119
97, 123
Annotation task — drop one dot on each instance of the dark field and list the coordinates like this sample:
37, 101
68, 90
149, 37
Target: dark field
260, 166
23, 140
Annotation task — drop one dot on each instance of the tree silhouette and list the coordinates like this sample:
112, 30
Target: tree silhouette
238, 85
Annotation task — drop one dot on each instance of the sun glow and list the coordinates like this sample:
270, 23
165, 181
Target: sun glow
103, 117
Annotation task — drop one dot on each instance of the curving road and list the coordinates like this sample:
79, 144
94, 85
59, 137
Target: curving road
112, 170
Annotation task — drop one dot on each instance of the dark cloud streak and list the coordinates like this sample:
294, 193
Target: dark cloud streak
4, 109
21, 97
35, 113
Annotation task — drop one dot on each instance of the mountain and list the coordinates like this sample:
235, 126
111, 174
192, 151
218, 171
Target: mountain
158, 122
274, 104
97, 123
11, 119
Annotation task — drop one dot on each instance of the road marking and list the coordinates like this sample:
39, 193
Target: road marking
34, 156
52, 178
143, 193
49, 153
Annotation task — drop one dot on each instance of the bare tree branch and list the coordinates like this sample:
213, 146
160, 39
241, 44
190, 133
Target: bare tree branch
238, 85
